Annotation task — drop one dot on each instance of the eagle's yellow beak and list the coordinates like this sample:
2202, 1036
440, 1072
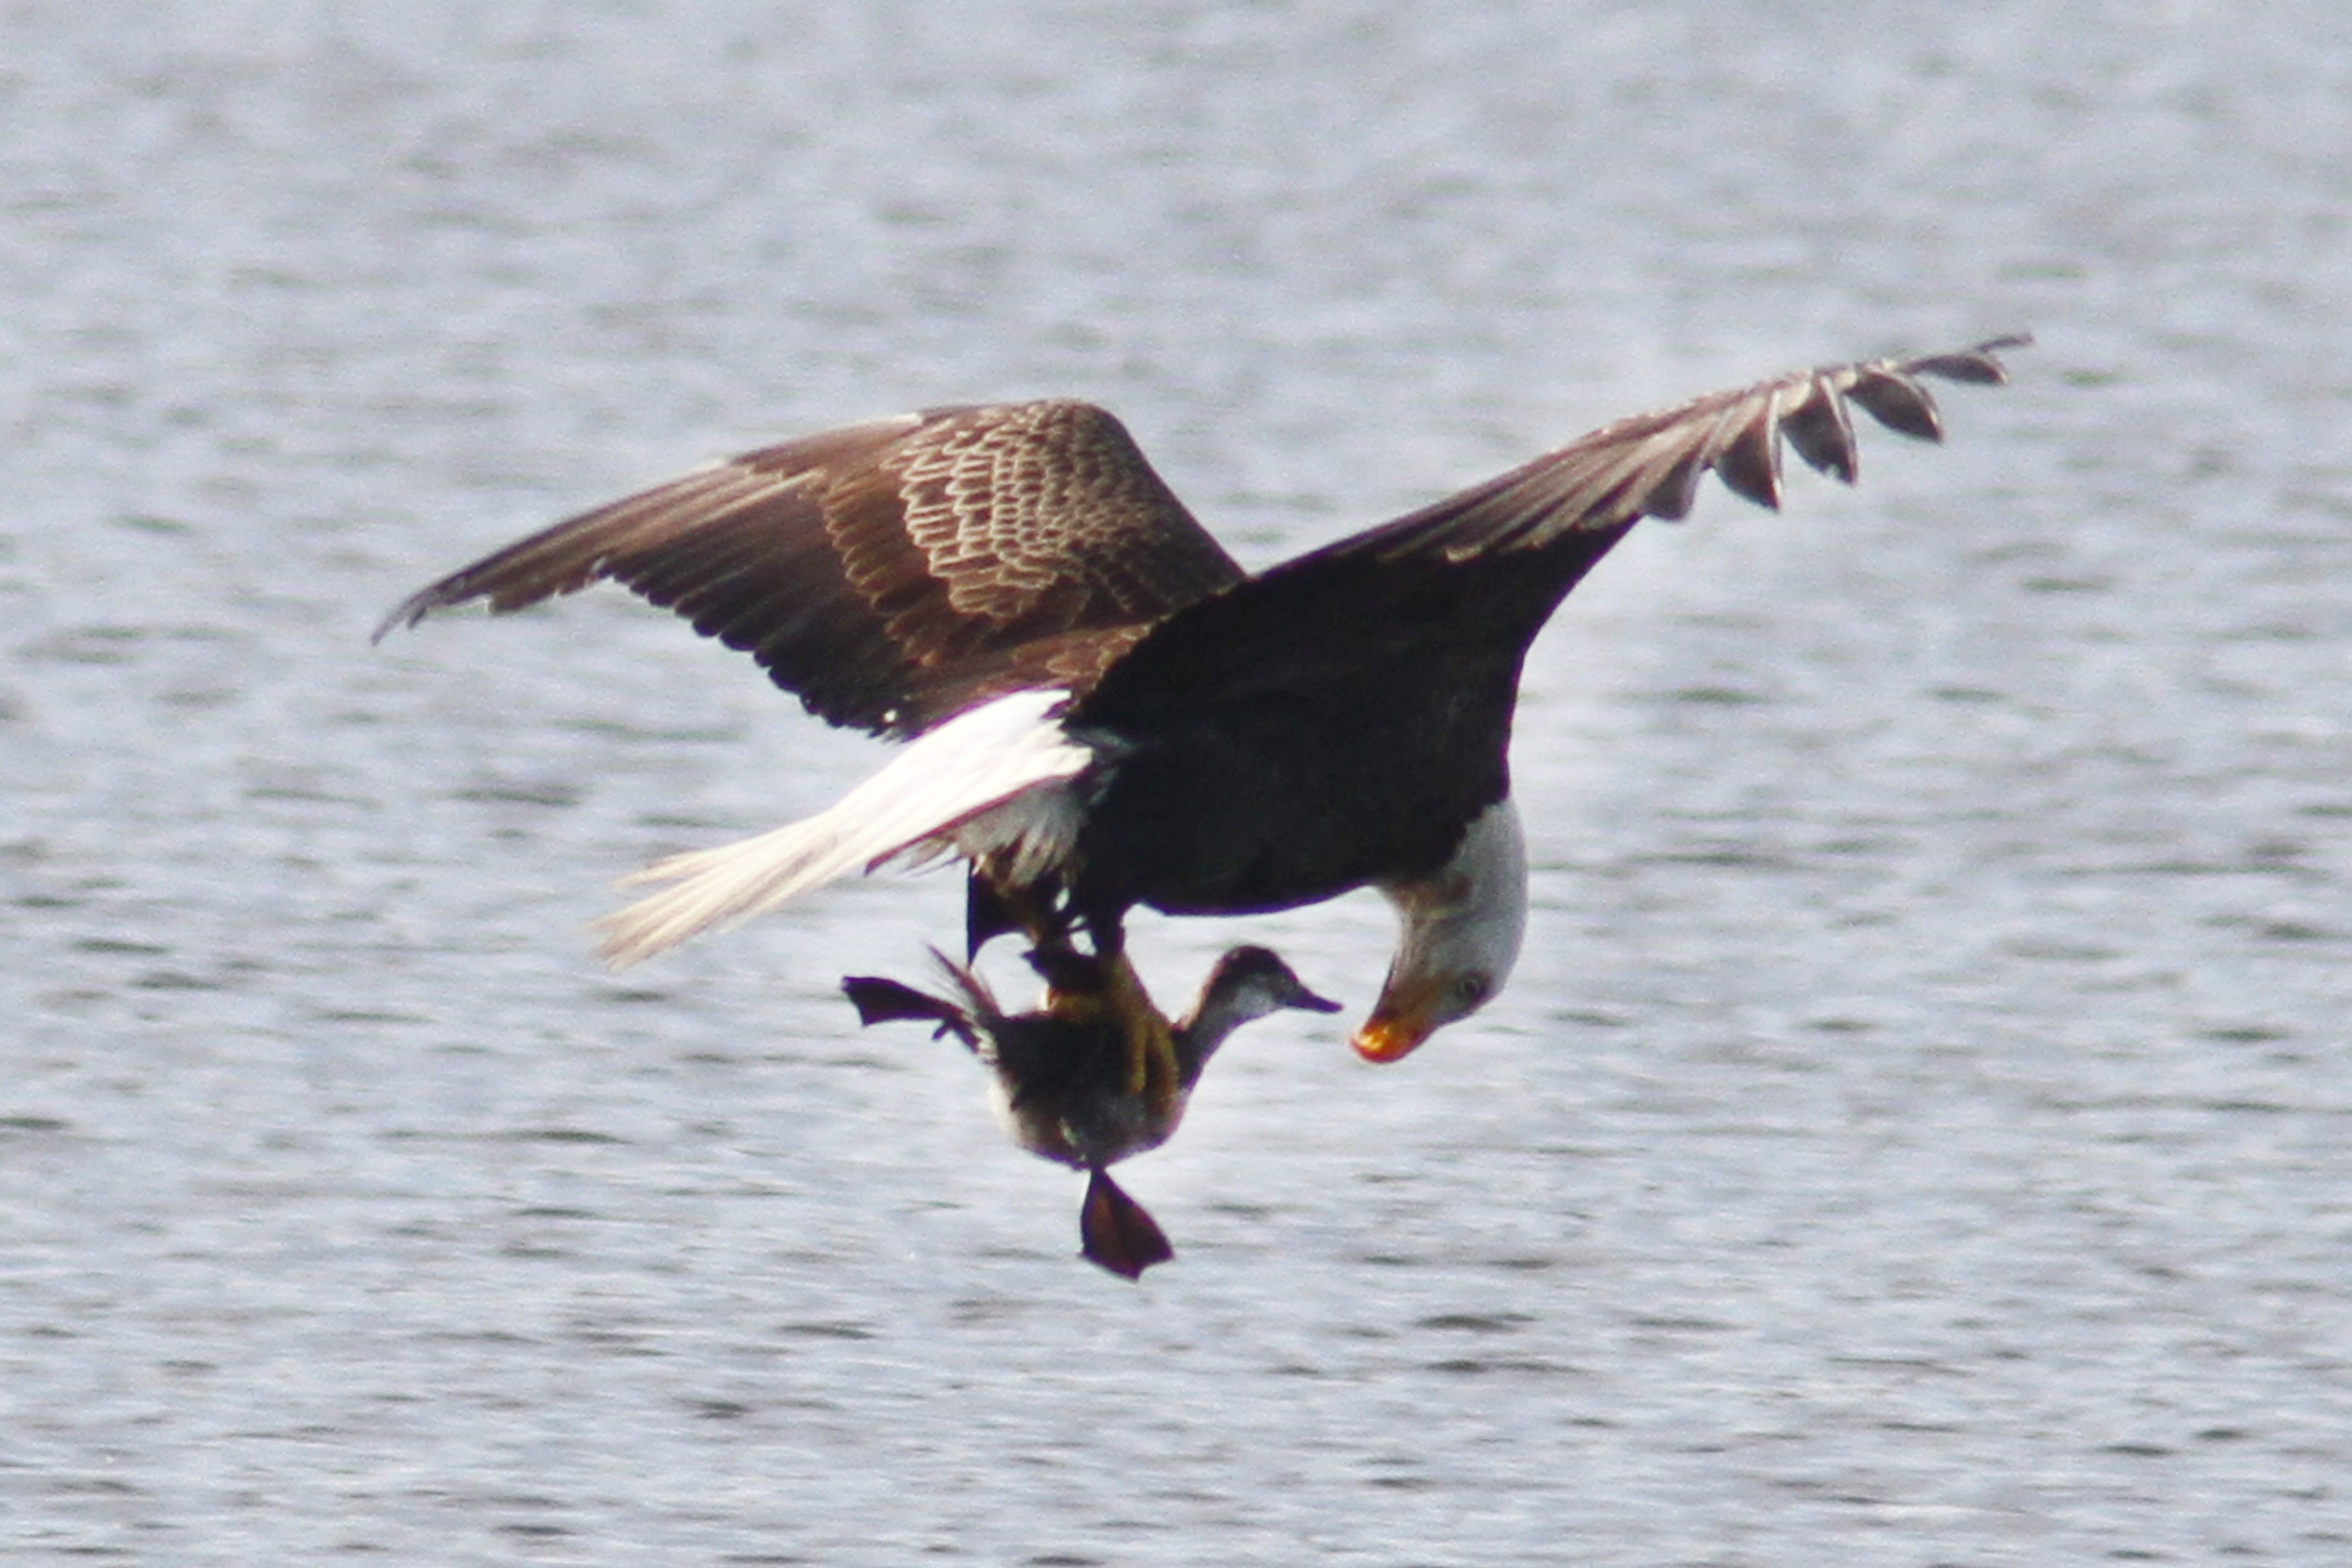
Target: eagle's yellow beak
1400, 1022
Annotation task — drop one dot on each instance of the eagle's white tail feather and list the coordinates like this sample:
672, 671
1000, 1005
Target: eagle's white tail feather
973, 762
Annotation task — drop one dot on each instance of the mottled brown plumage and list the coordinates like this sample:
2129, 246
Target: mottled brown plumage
894, 572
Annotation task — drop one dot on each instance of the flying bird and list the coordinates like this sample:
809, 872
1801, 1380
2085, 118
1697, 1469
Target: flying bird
1101, 709
1059, 1078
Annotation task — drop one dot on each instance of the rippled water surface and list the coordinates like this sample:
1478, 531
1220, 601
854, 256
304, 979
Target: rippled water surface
1921, 1132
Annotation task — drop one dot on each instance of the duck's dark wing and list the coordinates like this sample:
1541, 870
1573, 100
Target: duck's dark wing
1500, 553
895, 573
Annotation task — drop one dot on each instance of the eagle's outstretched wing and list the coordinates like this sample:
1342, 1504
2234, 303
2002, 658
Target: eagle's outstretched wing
896, 572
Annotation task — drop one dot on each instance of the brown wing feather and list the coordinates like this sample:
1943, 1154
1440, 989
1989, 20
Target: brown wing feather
1650, 465
894, 572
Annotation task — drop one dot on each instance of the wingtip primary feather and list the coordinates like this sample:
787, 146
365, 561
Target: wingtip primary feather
1978, 364
407, 613
1809, 411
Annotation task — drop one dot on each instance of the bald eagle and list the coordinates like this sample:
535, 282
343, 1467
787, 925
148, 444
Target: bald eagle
1101, 709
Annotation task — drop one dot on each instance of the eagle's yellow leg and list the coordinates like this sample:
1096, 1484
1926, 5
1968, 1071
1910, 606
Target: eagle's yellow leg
1151, 1069
1114, 996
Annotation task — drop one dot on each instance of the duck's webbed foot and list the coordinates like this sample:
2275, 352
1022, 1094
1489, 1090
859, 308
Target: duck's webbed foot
1115, 1232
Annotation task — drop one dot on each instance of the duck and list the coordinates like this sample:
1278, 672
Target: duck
1098, 709
1058, 1079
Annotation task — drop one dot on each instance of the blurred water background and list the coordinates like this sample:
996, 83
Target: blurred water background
1919, 1133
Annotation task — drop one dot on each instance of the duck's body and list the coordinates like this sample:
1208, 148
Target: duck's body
1103, 709
1059, 1078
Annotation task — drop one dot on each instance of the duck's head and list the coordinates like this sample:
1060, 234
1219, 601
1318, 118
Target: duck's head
1247, 983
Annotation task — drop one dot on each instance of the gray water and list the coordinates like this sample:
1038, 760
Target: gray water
1921, 1132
